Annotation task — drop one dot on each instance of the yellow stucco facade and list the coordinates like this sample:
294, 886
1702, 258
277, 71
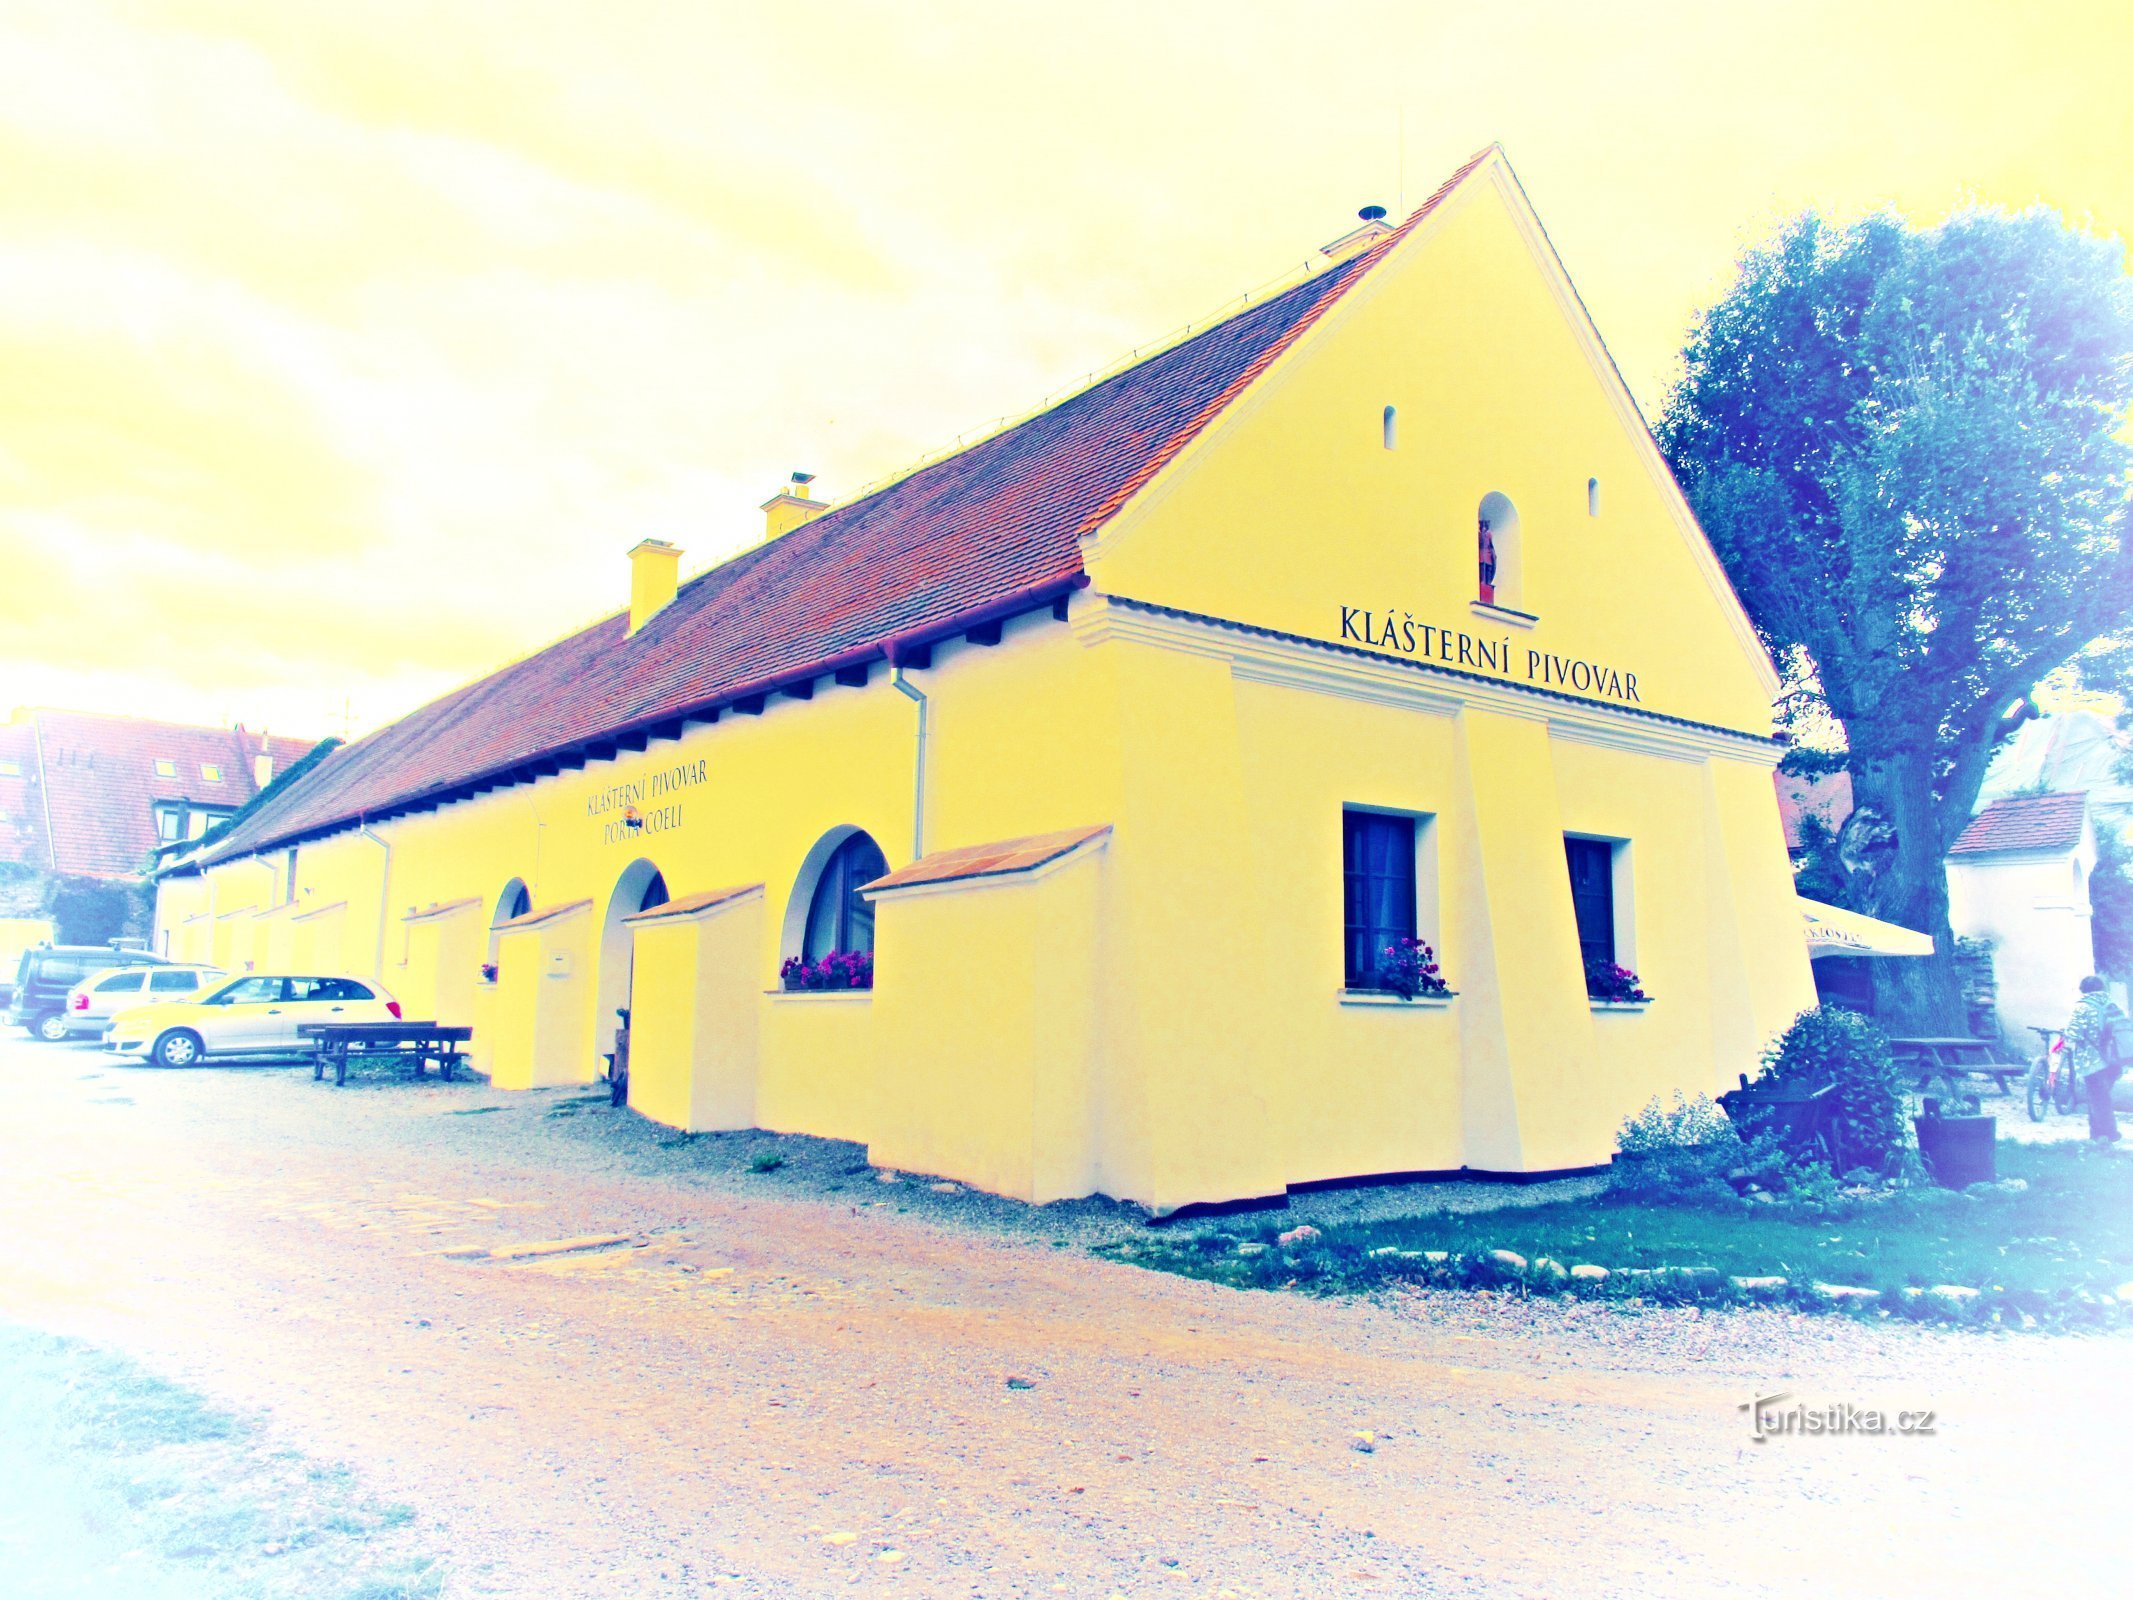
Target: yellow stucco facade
1280, 625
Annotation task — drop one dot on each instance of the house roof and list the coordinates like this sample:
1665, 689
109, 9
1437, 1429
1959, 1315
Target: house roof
98, 779
2023, 824
689, 905
1828, 799
990, 860
994, 528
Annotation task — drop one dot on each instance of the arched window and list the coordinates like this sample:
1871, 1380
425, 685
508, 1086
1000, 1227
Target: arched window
838, 916
515, 901
655, 893
1496, 548
1392, 428
1592, 497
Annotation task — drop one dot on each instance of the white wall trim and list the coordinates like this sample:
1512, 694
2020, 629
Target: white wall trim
1260, 655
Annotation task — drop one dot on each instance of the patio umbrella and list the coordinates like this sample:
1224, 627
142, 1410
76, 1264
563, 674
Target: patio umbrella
1833, 931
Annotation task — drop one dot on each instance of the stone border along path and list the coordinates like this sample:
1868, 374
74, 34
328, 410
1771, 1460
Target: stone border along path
1507, 1269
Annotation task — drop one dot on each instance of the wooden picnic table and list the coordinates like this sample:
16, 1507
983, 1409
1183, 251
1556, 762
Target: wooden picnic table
413, 1044
1946, 1065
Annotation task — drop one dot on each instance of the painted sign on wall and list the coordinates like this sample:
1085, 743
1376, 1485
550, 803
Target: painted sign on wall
1398, 631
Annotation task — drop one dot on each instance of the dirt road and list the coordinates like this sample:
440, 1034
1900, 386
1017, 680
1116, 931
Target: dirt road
797, 1382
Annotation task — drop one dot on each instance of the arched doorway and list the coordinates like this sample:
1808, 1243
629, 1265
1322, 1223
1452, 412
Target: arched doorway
515, 901
640, 888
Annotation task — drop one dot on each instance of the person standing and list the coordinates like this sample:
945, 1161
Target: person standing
2095, 1068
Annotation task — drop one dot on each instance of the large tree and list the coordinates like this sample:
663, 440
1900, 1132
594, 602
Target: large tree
1908, 447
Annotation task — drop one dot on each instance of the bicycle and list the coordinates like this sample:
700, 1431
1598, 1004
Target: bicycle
2050, 1084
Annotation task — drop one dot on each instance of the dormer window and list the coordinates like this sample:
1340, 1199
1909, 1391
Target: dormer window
166, 768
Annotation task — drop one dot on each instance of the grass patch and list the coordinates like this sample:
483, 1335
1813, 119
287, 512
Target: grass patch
2056, 1249
115, 1482
768, 1161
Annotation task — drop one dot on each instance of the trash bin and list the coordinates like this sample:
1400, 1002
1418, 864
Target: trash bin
1958, 1151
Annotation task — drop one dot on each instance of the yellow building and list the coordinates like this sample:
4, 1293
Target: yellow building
1126, 741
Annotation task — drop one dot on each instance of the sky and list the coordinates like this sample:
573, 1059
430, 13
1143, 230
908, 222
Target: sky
345, 348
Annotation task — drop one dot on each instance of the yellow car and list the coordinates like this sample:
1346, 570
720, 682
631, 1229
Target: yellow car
254, 1016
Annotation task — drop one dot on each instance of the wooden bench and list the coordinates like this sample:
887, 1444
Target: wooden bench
412, 1044
1946, 1067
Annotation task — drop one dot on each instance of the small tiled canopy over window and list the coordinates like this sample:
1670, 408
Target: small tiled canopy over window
1378, 888
839, 917
1592, 894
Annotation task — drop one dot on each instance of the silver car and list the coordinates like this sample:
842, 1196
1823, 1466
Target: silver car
93, 1002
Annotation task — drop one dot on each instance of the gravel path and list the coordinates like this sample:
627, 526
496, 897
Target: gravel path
796, 1382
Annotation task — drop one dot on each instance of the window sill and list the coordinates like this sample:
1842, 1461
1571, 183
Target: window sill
1385, 997
1506, 615
1620, 1005
843, 996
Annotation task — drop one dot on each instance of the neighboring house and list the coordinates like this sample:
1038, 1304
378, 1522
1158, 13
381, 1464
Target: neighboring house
86, 801
2018, 878
1130, 739
2018, 875
1826, 799
2069, 752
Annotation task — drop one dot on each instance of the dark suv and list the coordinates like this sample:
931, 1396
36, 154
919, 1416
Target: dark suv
48, 971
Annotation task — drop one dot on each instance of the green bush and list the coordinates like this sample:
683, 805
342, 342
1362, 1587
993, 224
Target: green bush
1679, 1153
1831, 1045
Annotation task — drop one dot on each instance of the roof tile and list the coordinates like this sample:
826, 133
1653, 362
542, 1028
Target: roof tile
2024, 823
998, 521
989, 860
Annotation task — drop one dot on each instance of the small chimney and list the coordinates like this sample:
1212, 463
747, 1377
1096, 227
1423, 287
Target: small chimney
655, 568
1370, 228
262, 765
790, 507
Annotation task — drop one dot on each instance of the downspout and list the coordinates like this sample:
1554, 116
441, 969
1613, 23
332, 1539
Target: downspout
911, 691
44, 792
385, 884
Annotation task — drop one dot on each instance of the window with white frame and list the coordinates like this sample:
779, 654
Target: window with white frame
1388, 889
1600, 898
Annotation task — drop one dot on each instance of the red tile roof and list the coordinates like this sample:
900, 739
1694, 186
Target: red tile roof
539, 915
96, 777
2024, 823
989, 860
689, 904
998, 525
1827, 798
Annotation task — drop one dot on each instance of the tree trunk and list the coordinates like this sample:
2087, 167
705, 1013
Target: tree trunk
1919, 995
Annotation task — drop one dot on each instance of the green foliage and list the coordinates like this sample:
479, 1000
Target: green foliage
1685, 1125
1833, 1045
1820, 873
1680, 1153
1906, 448
2073, 1222
2111, 905
765, 1161
96, 910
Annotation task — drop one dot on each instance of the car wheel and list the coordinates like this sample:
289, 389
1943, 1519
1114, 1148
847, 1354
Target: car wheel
52, 1027
180, 1047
